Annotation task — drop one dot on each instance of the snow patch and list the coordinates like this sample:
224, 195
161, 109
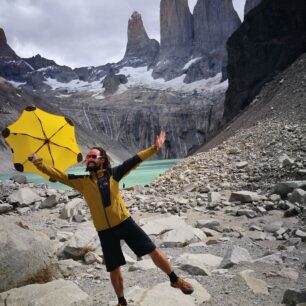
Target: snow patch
16, 84
191, 62
74, 85
143, 78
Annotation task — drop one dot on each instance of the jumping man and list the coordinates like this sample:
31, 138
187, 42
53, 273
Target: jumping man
110, 216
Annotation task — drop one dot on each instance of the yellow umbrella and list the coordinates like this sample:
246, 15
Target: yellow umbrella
51, 136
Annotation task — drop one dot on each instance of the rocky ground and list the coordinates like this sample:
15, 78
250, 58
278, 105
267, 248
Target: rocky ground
218, 215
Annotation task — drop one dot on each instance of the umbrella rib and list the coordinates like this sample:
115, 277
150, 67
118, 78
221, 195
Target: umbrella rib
51, 154
62, 147
57, 131
35, 151
41, 126
24, 134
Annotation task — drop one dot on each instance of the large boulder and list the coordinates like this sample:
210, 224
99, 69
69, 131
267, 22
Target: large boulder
84, 240
23, 197
58, 292
26, 255
167, 295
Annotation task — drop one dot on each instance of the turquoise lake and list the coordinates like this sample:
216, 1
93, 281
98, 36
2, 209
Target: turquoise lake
142, 175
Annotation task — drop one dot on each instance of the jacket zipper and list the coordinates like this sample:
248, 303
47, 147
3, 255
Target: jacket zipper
106, 216
103, 206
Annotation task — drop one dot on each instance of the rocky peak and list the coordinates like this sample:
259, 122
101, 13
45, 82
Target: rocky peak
176, 30
2, 38
38, 62
140, 50
214, 22
136, 31
176, 38
5, 49
250, 4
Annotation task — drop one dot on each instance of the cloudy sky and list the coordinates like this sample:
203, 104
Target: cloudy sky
78, 32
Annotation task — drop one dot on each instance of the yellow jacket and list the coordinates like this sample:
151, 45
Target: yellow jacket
101, 190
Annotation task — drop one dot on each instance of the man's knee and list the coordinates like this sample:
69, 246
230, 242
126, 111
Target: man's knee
155, 253
115, 273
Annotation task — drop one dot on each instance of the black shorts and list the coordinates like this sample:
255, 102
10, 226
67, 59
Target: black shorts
138, 241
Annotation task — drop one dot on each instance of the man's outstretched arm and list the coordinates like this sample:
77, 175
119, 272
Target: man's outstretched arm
54, 173
124, 169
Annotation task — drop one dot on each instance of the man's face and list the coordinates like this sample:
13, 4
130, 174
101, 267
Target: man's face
94, 161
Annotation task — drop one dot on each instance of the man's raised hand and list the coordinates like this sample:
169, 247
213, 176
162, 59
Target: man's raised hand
160, 139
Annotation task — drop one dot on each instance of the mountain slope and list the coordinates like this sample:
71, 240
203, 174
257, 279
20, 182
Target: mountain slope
273, 125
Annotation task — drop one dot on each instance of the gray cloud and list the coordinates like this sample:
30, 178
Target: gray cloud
77, 32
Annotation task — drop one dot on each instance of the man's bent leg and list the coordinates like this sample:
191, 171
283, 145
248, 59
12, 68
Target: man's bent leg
161, 261
117, 281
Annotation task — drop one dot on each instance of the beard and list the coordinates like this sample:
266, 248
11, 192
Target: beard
92, 167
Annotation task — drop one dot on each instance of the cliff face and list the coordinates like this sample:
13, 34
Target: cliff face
214, 22
5, 50
134, 117
176, 38
250, 4
272, 36
140, 49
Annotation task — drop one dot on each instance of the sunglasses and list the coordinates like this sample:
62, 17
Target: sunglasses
92, 156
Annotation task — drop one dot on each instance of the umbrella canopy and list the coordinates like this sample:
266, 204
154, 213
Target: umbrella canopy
50, 136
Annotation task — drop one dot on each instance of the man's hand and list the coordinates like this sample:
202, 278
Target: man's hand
33, 157
160, 139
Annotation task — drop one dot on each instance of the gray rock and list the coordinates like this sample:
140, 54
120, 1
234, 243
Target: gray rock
288, 273
58, 292
143, 265
68, 267
4, 207
234, 256
83, 241
246, 212
208, 223
91, 258
298, 196
168, 295
23, 197
300, 234
285, 160
182, 236
273, 259
242, 164
24, 254
245, 196
198, 264
71, 208
255, 284
214, 199
293, 296
51, 201
273, 227
20, 179
284, 188
157, 226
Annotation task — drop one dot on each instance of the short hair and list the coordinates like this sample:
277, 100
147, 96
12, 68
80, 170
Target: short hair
107, 159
